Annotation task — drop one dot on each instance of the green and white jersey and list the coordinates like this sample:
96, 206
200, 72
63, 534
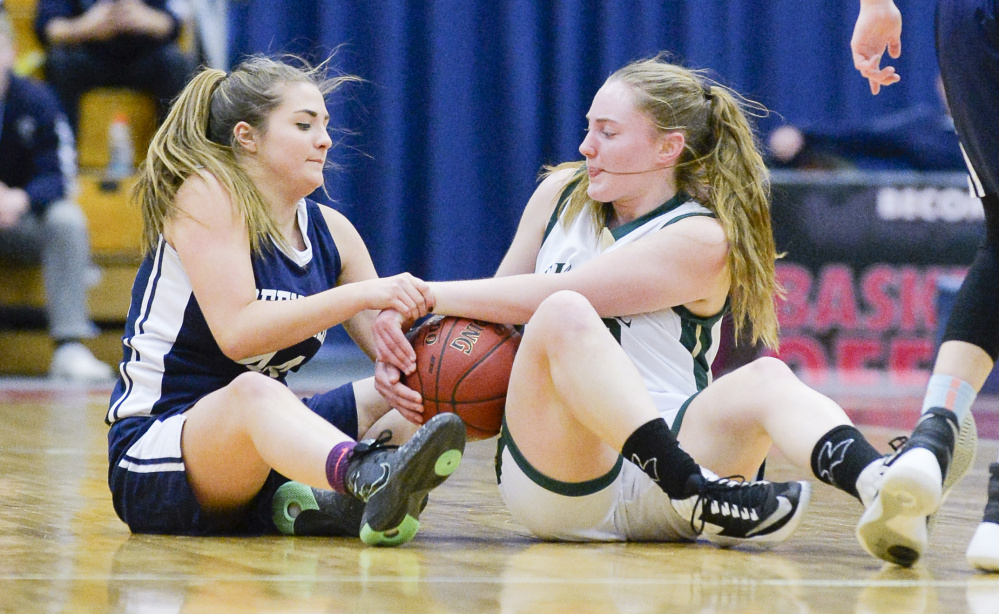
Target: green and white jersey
672, 348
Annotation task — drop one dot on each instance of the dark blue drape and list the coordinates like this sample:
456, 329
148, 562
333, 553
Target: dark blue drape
466, 99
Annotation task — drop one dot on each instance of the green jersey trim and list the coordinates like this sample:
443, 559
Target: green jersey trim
695, 335
678, 420
566, 191
569, 489
678, 199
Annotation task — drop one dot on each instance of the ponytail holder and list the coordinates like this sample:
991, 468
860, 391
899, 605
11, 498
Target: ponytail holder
706, 88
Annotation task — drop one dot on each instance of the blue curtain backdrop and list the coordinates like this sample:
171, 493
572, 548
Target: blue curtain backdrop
466, 99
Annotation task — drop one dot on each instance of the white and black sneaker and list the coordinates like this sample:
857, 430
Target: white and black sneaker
394, 480
729, 512
917, 478
983, 550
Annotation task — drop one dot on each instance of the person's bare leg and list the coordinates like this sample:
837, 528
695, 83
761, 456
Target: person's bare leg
730, 426
576, 402
574, 395
965, 361
374, 415
233, 437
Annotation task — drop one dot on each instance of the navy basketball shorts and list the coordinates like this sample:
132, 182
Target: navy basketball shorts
148, 478
968, 50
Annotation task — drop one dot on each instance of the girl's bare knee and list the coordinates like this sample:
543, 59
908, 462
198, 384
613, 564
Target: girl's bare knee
767, 370
256, 389
564, 305
564, 316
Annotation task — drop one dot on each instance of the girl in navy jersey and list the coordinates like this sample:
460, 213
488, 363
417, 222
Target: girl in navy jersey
242, 277
622, 267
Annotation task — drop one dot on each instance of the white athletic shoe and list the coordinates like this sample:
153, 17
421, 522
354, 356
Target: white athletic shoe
983, 551
869, 480
895, 525
73, 362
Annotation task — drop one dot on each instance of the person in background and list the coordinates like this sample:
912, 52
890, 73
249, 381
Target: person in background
919, 477
38, 218
918, 138
123, 43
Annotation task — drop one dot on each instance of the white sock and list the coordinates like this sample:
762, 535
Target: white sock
950, 393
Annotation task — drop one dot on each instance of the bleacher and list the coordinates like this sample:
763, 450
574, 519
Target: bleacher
115, 226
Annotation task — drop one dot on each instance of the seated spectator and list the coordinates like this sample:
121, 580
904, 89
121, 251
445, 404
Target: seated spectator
37, 218
920, 138
112, 43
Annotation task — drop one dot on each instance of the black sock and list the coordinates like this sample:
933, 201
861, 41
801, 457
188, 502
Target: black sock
654, 448
840, 455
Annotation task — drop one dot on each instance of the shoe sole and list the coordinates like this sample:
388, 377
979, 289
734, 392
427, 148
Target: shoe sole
983, 550
894, 528
423, 463
290, 499
770, 540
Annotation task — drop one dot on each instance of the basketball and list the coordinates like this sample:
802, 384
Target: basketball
463, 366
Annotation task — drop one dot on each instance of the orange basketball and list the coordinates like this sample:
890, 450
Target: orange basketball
463, 366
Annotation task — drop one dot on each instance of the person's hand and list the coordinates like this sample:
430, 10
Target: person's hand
388, 383
879, 27
14, 202
407, 295
391, 344
137, 17
96, 24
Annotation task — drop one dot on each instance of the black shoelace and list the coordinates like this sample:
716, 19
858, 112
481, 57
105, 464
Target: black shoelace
363, 448
741, 509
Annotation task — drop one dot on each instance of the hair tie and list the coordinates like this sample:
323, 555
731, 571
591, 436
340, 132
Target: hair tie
706, 88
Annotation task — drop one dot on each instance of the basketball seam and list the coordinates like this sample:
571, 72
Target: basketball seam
445, 336
472, 368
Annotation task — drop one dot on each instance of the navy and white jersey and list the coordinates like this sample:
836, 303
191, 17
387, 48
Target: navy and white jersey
672, 348
170, 358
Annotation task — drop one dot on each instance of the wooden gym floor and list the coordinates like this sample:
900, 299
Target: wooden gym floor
63, 550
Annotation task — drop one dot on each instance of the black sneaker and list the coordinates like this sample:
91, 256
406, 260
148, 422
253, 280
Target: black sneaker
305, 511
394, 481
894, 527
302, 510
730, 512
936, 431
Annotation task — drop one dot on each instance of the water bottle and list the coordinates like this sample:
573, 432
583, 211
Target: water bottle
121, 162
